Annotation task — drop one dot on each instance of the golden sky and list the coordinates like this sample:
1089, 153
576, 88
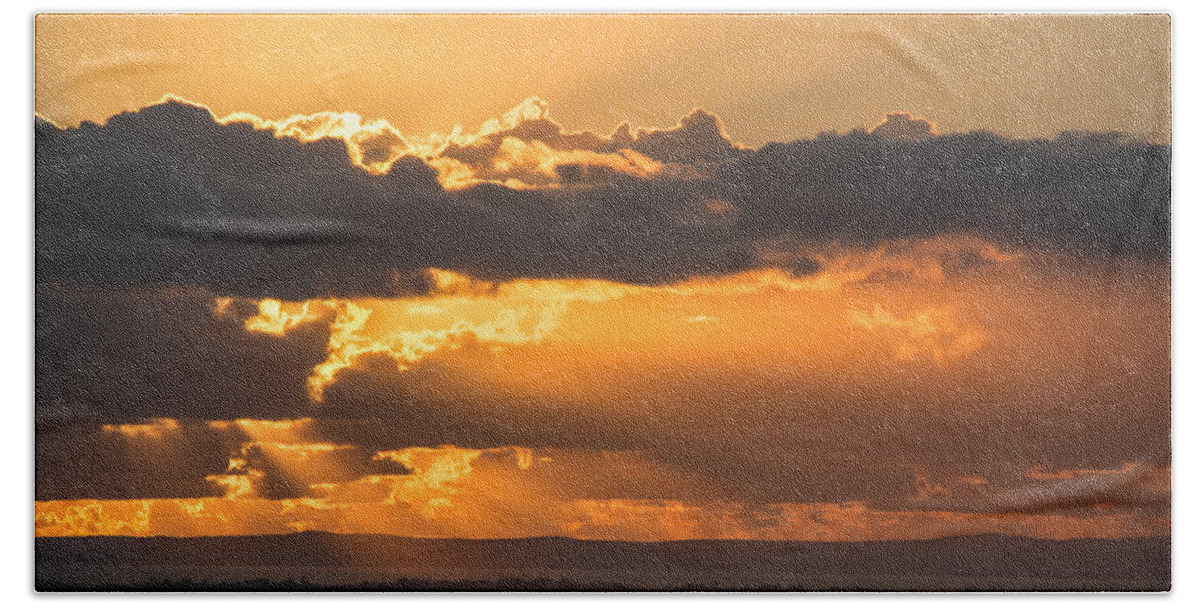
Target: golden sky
356, 277
685, 365
769, 77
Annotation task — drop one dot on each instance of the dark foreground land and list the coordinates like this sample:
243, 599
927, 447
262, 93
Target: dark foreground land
328, 562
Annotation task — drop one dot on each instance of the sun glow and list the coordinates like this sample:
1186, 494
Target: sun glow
461, 310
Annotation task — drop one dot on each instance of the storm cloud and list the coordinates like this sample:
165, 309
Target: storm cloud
168, 195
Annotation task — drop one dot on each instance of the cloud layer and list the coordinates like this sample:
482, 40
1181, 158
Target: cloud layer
320, 321
169, 195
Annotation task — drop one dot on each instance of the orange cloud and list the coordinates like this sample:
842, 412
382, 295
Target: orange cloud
513, 491
901, 126
92, 518
372, 145
528, 312
519, 164
156, 428
433, 473
265, 430
237, 486
1039, 472
927, 489
935, 333
410, 329
276, 318
614, 519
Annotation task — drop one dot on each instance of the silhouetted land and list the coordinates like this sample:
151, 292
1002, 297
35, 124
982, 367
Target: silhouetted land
329, 562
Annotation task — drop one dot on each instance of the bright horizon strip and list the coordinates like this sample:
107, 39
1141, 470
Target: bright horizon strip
451, 493
613, 519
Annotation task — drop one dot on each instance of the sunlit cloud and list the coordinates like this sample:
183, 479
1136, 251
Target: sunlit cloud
934, 333
92, 518
506, 491
523, 312
237, 486
275, 318
156, 428
433, 471
494, 153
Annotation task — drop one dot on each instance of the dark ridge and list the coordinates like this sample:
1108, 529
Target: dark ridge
330, 562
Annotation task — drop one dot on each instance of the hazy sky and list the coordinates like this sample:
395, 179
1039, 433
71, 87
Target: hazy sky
771, 78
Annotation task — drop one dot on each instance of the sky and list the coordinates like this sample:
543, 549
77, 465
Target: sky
482, 277
771, 78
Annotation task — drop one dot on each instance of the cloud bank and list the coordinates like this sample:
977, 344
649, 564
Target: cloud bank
332, 205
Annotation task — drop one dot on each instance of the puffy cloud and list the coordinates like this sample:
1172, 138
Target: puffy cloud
902, 127
698, 138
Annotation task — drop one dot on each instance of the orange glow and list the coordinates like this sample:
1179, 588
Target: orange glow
935, 333
410, 329
266, 430
434, 471
92, 518
221, 306
528, 312
1018, 75
301, 450
514, 491
156, 428
830, 391
236, 486
628, 520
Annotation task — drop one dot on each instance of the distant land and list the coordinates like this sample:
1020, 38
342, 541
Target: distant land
318, 561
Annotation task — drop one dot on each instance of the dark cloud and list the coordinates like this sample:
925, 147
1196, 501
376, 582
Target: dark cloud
126, 356
901, 126
78, 459
296, 231
168, 196
772, 436
699, 138
1005, 489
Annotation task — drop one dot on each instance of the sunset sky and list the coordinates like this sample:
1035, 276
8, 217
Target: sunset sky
642, 278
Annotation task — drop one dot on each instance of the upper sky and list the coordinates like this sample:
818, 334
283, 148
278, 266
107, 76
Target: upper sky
771, 78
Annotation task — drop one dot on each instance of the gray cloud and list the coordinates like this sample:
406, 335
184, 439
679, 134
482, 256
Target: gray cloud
167, 196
